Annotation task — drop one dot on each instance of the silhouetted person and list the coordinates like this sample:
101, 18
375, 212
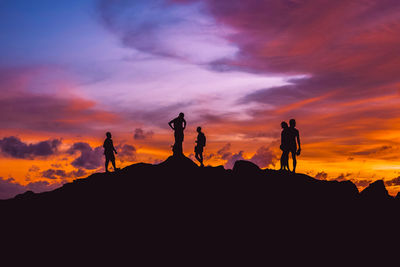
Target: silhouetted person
201, 143
285, 135
294, 139
178, 125
109, 150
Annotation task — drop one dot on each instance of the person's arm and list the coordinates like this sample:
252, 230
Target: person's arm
184, 124
170, 124
112, 144
298, 140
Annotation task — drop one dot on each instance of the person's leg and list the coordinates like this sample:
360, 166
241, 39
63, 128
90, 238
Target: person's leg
178, 143
174, 148
113, 163
106, 165
179, 149
282, 160
201, 159
197, 156
180, 146
294, 161
286, 160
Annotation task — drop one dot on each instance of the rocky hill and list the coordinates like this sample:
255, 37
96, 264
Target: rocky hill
178, 210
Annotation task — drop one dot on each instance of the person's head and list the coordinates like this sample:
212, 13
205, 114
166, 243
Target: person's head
284, 125
108, 134
292, 123
181, 115
198, 129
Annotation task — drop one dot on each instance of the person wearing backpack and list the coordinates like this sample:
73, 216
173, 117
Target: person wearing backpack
200, 144
109, 150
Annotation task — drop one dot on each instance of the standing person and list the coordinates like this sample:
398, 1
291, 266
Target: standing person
294, 139
285, 146
109, 150
178, 125
201, 143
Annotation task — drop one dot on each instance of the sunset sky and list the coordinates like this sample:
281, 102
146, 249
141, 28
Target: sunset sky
72, 70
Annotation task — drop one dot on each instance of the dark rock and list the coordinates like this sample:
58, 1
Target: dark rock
245, 168
178, 162
376, 191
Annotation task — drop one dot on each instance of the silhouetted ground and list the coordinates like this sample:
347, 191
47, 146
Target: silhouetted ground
177, 213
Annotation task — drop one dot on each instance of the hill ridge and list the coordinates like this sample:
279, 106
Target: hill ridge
177, 212
242, 168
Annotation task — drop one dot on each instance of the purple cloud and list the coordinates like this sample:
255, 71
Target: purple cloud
264, 157
126, 153
140, 134
10, 188
343, 177
232, 159
62, 174
54, 174
90, 158
373, 151
393, 182
224, 152
13, 147
167, 29
321, 175
26, 105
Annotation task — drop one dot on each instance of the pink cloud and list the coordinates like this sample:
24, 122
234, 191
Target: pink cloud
26, 103
348, 48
